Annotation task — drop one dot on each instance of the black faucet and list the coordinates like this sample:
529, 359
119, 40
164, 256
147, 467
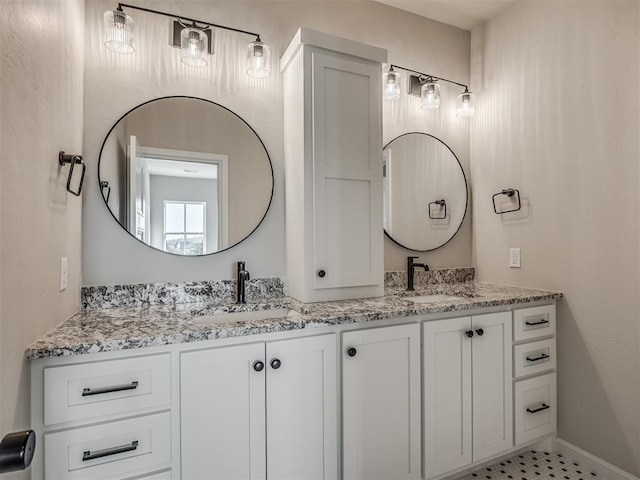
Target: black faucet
243, 276
411, 268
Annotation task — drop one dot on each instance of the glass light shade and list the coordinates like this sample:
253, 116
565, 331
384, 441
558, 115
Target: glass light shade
391, 85
466, 106
258, 59
193, 47
430, 96
118, 31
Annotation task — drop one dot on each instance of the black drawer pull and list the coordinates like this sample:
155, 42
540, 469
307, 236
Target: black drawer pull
536, 410
275, 363
541, 322
116, 388
87, 455
541, 357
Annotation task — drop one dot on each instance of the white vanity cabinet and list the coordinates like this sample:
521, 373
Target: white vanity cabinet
272, 405
534, 355
467, 390
260, 410
333, 167
381, 403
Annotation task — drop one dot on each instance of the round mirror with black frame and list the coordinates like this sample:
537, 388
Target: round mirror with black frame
185, 176
425, 192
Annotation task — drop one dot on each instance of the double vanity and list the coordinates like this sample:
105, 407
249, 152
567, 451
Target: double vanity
337, 372
409, 385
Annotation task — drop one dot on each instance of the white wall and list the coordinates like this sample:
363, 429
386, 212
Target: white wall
40, 114
558, 118
114, 84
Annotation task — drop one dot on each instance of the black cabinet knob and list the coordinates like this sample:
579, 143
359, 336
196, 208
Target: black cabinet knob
469, 333
275, 364
480, 332
352, 352
321, 273
258, 366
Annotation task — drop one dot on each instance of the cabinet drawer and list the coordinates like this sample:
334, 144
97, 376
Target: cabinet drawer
166, 475
534, 357
115, 449
534, 322
535, 407
89, 390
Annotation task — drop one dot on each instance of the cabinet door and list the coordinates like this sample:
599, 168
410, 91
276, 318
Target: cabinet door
381, 403
447, 395
222, 411
492, 386
347, 172
302, 417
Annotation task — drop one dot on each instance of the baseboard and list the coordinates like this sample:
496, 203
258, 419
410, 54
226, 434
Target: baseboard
590, 462
544, 445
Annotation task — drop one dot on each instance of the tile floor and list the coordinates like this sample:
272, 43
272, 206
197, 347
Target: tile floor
533, 465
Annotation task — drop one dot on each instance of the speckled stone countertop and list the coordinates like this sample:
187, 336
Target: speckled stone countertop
92, 331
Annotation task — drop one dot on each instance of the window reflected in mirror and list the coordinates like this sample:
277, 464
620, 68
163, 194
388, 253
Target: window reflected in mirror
185, 228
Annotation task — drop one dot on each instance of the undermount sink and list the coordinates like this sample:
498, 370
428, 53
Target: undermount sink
244, 316
434, 298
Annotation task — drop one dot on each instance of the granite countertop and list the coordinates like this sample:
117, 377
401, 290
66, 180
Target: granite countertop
121, 328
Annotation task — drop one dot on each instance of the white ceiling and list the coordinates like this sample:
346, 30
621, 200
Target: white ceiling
465, 14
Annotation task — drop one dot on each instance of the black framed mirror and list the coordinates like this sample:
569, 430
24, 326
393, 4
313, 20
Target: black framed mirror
185, 176
425, 192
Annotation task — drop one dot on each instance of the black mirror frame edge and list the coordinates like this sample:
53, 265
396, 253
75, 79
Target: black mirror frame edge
218, 105
466, 189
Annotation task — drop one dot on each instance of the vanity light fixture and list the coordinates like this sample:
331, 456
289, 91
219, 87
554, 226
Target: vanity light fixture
258, 59
430, 95
466, 107
427, 87
118, 31
193, 37
193, 47
391, 82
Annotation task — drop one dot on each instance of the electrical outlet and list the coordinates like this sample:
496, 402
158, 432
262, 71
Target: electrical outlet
64, 273
514, 258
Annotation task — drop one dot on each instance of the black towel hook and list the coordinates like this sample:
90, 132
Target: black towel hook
513, 194
63, 159
105, 185
443, 206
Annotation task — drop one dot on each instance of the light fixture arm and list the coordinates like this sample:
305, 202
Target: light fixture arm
187, 19
427, 76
